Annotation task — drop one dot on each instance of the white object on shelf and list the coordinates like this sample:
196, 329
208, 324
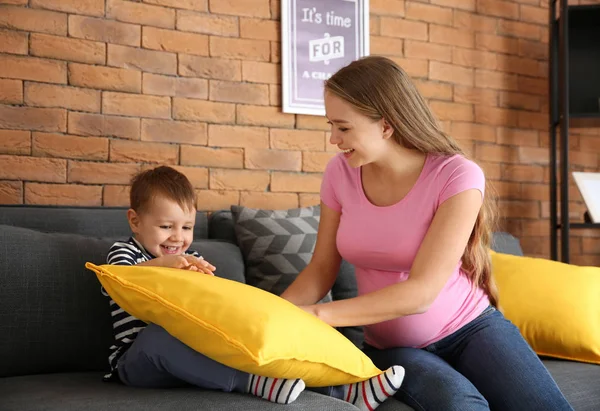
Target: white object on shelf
589, 187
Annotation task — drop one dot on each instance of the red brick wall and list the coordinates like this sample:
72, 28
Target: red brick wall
92, 91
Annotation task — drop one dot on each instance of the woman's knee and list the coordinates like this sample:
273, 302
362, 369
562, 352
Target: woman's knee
437, 391
430, 382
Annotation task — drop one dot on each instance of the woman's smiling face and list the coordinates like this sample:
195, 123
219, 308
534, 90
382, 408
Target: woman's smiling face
362, 139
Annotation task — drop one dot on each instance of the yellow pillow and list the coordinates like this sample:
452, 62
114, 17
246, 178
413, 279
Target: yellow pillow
556, 306
237, 325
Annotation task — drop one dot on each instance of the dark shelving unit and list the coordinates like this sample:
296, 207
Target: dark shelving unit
574, 85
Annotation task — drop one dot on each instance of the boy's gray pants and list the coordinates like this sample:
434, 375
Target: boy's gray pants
156, 359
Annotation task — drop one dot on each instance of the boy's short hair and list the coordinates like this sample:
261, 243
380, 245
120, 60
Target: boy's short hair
161, 181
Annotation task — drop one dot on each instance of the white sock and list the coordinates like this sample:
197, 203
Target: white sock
368, 395
277, 390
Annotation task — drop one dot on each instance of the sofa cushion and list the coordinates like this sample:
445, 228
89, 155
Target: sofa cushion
86, 391
578, 382
53, 317
221, 227
506, 243
226, 257
241, 326
102, 222
276, 244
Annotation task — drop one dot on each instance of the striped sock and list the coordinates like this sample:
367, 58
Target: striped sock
277, 390
370, 394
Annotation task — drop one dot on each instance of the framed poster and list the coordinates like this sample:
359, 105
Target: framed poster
318, 37
589, 187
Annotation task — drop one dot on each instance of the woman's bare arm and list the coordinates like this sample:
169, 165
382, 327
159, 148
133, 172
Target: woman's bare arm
440, 252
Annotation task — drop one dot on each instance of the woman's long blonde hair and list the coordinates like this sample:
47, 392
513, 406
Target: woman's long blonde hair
378, 88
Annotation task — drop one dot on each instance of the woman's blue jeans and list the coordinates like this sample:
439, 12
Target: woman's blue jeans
485, 365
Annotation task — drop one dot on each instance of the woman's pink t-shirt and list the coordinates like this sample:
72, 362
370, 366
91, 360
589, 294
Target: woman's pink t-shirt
382, 242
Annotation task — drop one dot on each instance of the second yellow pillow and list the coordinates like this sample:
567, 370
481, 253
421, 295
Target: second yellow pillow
556, 306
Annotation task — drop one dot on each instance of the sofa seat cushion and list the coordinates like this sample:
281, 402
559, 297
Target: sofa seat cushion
579, 382
86, 391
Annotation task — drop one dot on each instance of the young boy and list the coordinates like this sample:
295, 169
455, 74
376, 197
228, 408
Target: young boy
161, 216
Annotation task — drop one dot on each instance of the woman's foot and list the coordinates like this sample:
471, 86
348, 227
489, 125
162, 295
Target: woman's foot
368, 395
277, 390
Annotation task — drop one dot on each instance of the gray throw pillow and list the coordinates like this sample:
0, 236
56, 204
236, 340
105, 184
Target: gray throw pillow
276, 244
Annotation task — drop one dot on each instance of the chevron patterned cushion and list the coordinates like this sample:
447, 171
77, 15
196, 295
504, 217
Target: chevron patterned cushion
276, 244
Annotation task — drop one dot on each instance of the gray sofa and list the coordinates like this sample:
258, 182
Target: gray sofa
56, 329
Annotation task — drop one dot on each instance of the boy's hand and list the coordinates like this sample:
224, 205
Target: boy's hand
184, 262
199, 264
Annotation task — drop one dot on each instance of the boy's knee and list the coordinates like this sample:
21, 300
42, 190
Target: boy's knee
154, 331
152, 340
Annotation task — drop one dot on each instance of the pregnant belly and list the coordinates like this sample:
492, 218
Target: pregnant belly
456, 303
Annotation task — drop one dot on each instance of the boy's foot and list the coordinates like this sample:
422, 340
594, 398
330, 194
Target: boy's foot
368, 395
277, 390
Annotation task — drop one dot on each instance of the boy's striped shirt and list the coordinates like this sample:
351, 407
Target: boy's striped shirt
125, 326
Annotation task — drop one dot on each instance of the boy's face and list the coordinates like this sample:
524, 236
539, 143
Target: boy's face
164, 228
